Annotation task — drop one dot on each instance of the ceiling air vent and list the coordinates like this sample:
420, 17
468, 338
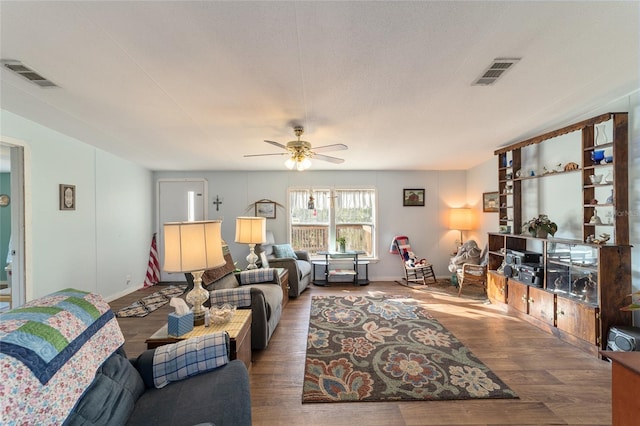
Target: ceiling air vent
497, 69
26, 72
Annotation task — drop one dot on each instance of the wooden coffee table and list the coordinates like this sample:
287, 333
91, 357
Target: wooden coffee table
239, 329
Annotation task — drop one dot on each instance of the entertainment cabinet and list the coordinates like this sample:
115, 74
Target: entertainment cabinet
584, 284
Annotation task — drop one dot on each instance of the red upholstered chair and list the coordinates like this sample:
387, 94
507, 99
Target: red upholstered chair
415, 269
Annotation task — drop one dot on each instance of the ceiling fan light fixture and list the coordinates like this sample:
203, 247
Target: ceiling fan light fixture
290, 163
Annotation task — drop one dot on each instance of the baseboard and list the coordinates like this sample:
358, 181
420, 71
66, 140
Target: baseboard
124, 292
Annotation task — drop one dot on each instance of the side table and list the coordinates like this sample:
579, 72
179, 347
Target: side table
239, 329
284, 283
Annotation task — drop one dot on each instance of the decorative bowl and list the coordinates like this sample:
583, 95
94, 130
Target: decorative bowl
221, 314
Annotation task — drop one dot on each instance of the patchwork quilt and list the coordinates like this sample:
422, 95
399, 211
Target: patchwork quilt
50, 349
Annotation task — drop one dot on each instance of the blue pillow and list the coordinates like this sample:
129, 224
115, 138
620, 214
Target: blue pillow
284, 250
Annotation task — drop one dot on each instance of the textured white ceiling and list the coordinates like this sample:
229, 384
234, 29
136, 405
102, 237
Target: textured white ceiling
196, 85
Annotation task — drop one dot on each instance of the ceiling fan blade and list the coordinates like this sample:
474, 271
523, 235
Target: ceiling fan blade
279, 145
335, 160
262, 155
334, 147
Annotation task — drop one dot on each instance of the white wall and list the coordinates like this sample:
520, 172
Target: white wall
426, 226
106, 238
565, 205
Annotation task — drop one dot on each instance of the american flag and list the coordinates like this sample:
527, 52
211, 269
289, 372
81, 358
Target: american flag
153, 270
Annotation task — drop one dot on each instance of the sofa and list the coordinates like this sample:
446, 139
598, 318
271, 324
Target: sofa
63, 362
297, 262
263, 290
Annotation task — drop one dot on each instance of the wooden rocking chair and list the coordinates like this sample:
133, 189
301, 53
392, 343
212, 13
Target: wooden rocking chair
414, 272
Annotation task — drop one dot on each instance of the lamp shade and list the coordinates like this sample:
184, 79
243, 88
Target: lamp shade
251, 230
192, 246
460, 219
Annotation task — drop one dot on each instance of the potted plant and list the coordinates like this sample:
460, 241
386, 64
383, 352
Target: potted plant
635, 302
540, 226
342, 242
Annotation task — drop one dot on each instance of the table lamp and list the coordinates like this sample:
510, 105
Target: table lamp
193, 247
460, 220
252, 231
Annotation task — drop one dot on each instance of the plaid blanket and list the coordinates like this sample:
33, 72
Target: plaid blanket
239, 297
50, 349
256, 276
189, 357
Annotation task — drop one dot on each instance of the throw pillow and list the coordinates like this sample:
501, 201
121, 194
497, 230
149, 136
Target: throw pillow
284, 250
189, 357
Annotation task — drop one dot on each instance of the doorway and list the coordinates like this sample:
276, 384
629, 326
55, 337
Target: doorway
12, 220
179, 200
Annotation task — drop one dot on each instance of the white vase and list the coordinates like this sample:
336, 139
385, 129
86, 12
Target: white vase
601, 135
609, 177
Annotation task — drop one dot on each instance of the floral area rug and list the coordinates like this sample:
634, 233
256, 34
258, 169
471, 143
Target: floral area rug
146, 305
388, 349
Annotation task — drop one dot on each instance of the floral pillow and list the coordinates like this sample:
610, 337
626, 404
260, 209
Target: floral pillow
284, 250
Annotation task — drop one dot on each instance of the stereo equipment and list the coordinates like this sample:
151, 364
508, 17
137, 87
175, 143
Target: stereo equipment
517, 257
531, 274
623, 339
508, 271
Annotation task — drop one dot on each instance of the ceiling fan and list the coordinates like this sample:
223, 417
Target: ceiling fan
300, 152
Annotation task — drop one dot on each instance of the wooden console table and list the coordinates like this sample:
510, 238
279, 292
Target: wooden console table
239, 329
328, 273
625, 381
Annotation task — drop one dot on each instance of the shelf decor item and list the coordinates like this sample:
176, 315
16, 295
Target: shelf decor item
601, 135
342, 243
597, 156
540, 226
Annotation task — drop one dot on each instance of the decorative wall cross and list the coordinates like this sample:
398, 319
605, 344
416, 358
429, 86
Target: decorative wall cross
217, 202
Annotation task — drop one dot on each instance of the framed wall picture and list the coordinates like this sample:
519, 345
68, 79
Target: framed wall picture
67, 197
266, 209
490, 202
413, 197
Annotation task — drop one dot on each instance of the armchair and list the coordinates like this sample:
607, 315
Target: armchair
470, 265
296, 262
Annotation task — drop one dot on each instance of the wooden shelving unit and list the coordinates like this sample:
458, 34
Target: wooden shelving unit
579, 315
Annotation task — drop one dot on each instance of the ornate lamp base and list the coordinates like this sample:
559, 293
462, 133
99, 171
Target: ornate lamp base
252, 258
196, 297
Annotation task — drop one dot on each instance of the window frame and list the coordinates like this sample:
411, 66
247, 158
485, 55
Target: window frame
332, 214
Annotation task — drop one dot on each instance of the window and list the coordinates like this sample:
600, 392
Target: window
319, 216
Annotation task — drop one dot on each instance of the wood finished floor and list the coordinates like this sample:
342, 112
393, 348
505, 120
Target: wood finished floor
557, 383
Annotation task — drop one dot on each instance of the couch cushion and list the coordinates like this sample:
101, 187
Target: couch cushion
284, 250
272, 296
304, 267
189, 357
112, 395
211, 275
220, 396
228, 281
